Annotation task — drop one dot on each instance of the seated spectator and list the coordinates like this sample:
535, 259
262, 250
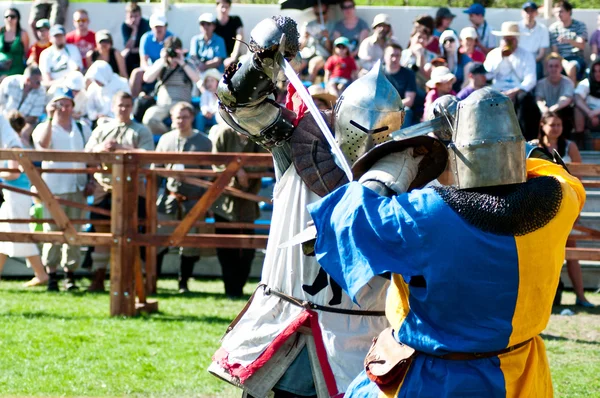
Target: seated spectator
209, 102
323, 99
14, 44
595, 42
443, 20
371, 48
105, 51
535, 37
60, 58
208, 49
53, 10
236, 263
25, 94
105, 85
486, 41
555, 93
121, 133
440, 84
468, 44
42, 32
587, 101
512, 70
231, 29
151, 45
179, 198
175, 77
352, 27
340, 68
477, 79
82, 37
416, 56
433, 44
61, 132
402, 79
132, 30
568, 37
16, 205
315, 41
457, 62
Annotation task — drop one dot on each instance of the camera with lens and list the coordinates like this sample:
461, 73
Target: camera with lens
171, 52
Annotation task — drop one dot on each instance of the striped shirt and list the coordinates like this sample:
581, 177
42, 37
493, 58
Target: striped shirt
11, 97
576, 29
178, 87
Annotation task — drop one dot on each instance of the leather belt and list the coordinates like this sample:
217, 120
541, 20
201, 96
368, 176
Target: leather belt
468, 356
312, 306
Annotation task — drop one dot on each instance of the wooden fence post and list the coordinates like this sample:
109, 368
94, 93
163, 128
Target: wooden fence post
151, 272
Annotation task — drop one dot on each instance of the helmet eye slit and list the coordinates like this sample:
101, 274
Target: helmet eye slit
367, 131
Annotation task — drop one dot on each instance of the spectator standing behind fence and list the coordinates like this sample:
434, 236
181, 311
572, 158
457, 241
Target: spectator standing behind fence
105, 85
208, 49
105, 51
16, 205
315, 41
24, 93
340, 68
535, 37
231, 29
132, 30
236, 263
477, 79
352, 27
121, 133
371, 48
42, 33
14, 44
176, 77
555, 94
82, 37
53, 10
587, 101
402, 79
568, 37
209, 102
486, 41
179, 198
60, 58
63, 133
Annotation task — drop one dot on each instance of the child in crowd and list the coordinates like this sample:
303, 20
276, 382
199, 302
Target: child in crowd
209, 102
340, 68
595, 42
42, 32
439, 84
17, 205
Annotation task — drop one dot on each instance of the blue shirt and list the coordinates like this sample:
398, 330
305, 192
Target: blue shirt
207, 50
150, 47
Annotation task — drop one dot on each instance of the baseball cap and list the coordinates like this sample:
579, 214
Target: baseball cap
475, 9
207, 17
444, 12
57, 30
63, 93
342, 40
529, 4
381, 19
477, 68
103, 34
158, 20
42, 23
468, 33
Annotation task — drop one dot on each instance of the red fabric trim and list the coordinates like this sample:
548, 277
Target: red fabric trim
322, 354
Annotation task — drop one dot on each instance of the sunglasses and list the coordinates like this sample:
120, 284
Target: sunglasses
10, 16
81, 20
348, 7
451, 40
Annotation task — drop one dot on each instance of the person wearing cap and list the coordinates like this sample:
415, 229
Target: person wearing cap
24, 93
512, 70
105, 51
82, 37
74, 81
315, 41
53, 10
132, 30
209, 102
63, 133
439, 84
231, 29
443, 20
60, 58
535, 37
468, 44
403, 79
352, 27
208, 49
477, 79
457, 62
568, 37
371, 48
42, 33
486, 41
555, 93
340, 68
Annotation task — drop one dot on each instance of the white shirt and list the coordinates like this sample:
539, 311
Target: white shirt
209, 102
516, 70
57, 63
583, 90
533, 39
62, 140
99, 99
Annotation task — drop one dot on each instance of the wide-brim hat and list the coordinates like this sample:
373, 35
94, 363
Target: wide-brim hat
440, 74
318, 92
508, 29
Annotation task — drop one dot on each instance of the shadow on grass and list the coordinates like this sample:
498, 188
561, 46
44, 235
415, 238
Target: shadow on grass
168, 293
158, 317
556, 310
551, 337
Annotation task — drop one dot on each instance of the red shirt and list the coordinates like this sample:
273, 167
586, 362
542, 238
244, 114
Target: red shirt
434, 45
477, 55
36, 50
341, 67
83, 43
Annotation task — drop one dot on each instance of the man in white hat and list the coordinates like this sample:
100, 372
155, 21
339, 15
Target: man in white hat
208, 49
512, 70
534, 35
371, 49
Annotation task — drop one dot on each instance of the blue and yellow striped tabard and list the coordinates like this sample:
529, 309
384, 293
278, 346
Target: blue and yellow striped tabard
483, 292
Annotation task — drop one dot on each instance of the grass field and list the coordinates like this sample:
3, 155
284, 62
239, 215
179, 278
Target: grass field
66, 345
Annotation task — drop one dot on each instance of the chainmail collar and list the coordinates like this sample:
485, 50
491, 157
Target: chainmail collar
510, 210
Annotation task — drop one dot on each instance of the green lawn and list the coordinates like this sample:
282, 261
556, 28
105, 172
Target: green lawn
66, 345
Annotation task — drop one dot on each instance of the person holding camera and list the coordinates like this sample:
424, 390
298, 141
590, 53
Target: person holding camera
175, 78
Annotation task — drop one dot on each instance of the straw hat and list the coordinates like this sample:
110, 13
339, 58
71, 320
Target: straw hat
440, 74
508, 29
318, 92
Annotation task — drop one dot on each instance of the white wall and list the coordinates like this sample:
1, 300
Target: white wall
183, 17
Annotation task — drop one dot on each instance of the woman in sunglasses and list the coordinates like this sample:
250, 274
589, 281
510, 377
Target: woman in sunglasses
14, 43
457, 62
